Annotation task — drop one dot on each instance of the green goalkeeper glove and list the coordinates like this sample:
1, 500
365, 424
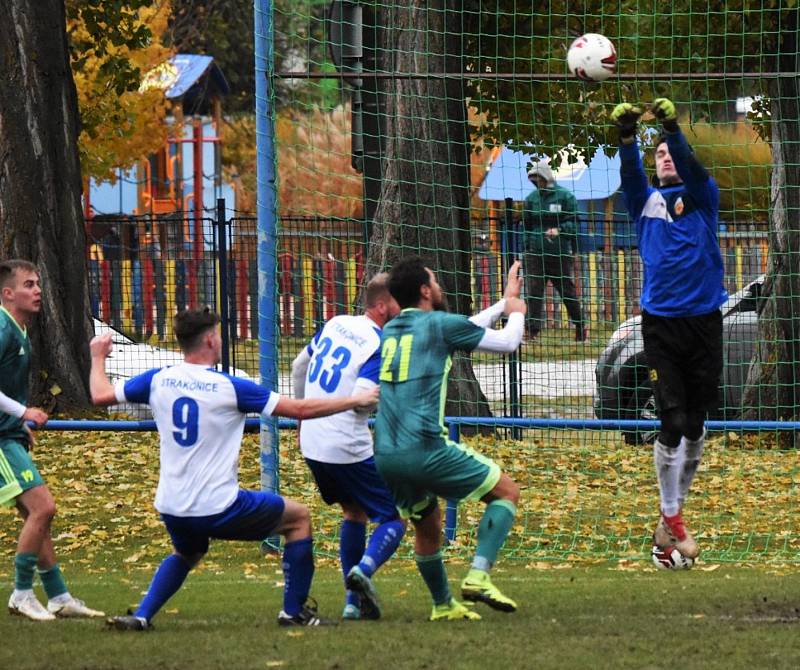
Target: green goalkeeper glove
625, 116
664, 110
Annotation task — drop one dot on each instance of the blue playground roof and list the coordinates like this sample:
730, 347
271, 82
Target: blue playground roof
177, 76
507, 177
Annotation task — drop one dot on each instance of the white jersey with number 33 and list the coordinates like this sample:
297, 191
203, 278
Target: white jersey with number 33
345, 358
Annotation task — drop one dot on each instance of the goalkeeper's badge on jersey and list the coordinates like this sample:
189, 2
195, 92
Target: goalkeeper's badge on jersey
669, 558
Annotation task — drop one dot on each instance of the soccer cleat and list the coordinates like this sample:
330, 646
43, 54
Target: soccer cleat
453, 611
72, 608
128, 622
359, 583
307, 616
671, 532
477, 587
351, 612
25, 603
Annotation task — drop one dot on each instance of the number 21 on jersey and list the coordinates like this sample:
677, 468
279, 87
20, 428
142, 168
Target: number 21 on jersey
392, 349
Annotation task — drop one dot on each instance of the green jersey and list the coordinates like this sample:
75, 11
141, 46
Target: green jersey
15, 358
415, 361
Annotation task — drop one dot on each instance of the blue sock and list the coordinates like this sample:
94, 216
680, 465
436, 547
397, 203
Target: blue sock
352, 540
382, 544
298, 569
165, 584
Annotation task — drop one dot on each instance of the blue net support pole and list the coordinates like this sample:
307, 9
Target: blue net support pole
267, 237
455, 421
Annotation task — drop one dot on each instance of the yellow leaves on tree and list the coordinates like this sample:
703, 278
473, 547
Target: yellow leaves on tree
119, 125
313, 152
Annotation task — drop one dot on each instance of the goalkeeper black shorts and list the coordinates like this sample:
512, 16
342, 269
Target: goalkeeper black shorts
684, 355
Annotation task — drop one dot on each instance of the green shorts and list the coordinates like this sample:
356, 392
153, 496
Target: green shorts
17, 471
453, 471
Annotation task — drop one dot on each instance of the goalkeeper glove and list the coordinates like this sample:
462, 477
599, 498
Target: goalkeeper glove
625, 116
664, 110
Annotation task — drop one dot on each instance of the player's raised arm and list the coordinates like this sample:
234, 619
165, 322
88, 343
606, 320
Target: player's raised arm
625, 117
488, 317
312, 408
694, 176
299, 370
100, 387
508, 339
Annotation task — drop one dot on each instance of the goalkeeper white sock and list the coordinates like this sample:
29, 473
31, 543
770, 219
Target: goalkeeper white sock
669, 465
693, 450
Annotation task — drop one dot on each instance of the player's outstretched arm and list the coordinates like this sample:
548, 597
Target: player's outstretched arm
12, 407
312, 408
100, 387
488, 317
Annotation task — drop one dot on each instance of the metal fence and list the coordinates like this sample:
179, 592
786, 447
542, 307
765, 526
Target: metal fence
155, 268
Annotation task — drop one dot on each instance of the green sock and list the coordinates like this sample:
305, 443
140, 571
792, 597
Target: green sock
24, 565
492, 532
432, 570
53, 582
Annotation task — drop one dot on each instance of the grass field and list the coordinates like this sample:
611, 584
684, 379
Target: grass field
579, 617
576, 561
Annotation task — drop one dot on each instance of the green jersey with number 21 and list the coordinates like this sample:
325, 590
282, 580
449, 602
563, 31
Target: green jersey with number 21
415, 361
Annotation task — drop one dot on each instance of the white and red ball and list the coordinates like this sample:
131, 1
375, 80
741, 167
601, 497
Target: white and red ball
592, 57
669, 558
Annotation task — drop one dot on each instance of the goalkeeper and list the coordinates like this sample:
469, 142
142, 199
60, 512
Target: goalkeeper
676, 226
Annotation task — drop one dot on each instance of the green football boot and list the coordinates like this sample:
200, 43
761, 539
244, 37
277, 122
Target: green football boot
453, 611
478, 587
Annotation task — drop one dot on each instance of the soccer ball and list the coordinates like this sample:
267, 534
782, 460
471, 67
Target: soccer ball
669, 558
592, 57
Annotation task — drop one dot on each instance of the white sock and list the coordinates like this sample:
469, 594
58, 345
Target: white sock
693, 450
669, 465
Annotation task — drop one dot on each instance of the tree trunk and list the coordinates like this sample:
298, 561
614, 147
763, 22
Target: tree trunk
424, 201
772, 384
40, 188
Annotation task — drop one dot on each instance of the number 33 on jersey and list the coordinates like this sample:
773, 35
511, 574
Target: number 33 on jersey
345, 355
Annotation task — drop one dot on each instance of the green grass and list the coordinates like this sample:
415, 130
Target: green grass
581, 617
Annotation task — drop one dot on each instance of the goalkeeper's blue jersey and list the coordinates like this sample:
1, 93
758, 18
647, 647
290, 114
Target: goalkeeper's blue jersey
677, 231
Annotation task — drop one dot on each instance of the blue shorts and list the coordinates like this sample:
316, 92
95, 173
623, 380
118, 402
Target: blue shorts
254, 515
357, 483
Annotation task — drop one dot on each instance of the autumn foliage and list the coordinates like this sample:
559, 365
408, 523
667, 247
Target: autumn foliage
112, 44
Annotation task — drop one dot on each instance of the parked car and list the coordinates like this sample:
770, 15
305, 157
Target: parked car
129, 358
624, 390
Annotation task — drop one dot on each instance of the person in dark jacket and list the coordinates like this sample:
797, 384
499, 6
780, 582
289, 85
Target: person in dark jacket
550, 224
676, 225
